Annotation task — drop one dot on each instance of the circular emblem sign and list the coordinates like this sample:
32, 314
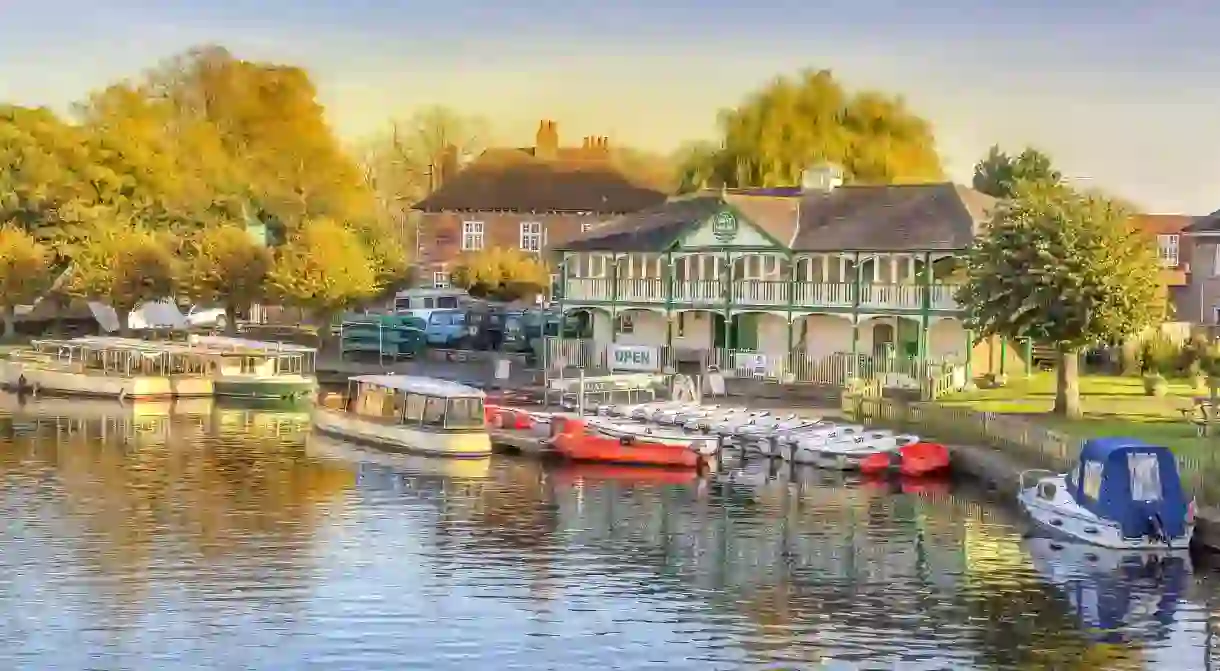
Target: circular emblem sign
724, 226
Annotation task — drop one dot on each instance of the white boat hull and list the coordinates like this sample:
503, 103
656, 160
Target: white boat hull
56, 379
1060, 516
704, 445
402, 438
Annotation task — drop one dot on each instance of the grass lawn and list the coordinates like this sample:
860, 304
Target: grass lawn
1113, 406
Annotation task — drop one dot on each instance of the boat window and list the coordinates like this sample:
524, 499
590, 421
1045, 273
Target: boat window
415, 409
370, 401
1092, 479
434, 412
1145, 472
464, 413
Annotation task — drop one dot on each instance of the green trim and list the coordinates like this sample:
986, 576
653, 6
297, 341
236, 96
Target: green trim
741, 218
254, 388
926, 308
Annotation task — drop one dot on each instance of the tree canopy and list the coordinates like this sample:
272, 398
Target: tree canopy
323, 267
502, 274
796, 122
1001, 175
124, 265
226, 265
1066, 269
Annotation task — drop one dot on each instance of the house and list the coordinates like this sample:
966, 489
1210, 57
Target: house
1201, 302
529, 198
818, 271
1173, 252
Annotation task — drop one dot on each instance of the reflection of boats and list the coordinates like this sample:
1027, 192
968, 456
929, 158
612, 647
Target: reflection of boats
1129, 594
284, 424
410, 414
1122, 494
329, 449
77, 408
583, 472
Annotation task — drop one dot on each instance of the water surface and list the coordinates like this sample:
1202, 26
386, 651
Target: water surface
189, 536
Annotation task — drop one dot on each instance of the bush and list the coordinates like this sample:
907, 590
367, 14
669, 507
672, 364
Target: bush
1160, 356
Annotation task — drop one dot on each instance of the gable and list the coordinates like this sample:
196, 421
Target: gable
726, 228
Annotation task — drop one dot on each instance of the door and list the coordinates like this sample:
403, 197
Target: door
718, 333
745, 332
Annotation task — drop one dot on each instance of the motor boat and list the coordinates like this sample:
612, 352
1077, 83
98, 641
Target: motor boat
1123, 494
682, 418
705, 423
701, 444
745, 435
645, 412
912, 460
813, 437
582, 439
728, 426
764, 438
846, 452
678, 416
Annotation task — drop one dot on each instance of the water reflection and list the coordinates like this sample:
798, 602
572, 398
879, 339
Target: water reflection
185, 535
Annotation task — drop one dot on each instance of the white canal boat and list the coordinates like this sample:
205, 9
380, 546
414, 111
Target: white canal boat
411, 414
1123, 494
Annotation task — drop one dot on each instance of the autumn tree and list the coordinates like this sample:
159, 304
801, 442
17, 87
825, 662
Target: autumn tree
25, 271
227, 266
1000, 175
323, 268
1066, 269
795, 122
124, 266
502, 274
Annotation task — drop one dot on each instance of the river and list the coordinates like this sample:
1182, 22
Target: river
195, 536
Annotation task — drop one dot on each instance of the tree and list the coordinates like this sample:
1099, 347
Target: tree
228, 267
796, 122
502, 274
124, 266
416, 155
323, 268
1001, 175
25, 271
1066, 269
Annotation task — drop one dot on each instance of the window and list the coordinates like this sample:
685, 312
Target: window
531, 236
1145, 473
464, 413
585, 226
434, 412
626, 324
472, 235
1216, 314
681, 324
1216, 261
414, 413
1092, 479
1167, 250
446, 301
440, 280
441, 319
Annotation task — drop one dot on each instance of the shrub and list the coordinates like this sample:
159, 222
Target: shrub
1160, 356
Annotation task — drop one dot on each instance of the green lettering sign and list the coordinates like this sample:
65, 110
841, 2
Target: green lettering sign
724, 226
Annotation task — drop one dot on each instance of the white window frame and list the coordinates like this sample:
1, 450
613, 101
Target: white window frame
531, 236
1167, 249
472, 236
440, 280
586, 226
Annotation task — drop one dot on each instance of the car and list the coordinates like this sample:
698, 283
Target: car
206, 316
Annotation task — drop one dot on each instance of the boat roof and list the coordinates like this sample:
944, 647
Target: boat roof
1101, 449
428, 386
244, 344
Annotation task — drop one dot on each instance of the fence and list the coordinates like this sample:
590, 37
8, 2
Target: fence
1029, 443
929, 378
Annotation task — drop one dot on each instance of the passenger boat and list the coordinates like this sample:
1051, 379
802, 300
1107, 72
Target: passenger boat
913, 460
122, 368
1123, 494
254, 369
412, 414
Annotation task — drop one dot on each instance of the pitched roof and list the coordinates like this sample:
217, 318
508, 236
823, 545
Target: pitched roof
515, 180
929, 217
1163, 224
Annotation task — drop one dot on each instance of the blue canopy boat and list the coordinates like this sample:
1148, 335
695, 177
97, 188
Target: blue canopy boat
1122, 494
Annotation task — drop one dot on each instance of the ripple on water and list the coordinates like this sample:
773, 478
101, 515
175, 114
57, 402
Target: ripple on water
231, 539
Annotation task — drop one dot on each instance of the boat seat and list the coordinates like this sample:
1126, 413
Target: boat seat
1047, 490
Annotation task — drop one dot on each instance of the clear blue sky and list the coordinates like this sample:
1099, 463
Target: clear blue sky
1121, 93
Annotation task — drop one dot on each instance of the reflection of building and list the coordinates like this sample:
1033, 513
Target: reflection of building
822, 269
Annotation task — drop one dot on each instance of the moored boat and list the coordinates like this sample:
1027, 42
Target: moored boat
578, 439
411, 414
846, 453
121, 368
913, 460
258, 370
1123, 493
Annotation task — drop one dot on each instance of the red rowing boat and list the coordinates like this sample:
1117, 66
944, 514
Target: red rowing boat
572, 439
914, 460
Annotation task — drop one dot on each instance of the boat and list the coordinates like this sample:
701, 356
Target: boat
729, 426
258, 370
122, 368
913, 460
765, 437
847, 452
577, 440
801, 442
700, 443
705, 423
645, 413
406, 413
1122, 494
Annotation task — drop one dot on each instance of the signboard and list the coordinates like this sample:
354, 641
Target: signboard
635, 357
609, 383
724, 226
751, 361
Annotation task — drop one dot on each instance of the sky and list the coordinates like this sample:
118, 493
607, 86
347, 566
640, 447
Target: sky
1122, 94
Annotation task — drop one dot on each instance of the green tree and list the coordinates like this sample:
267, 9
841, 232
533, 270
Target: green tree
1066, 269
25, 271
796, 122
1001, 175
123, 266
323, 268
226, 266
502, 274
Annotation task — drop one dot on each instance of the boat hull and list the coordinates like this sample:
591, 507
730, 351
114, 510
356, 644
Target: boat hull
1073, 523
401, 438
41, 377
604, 449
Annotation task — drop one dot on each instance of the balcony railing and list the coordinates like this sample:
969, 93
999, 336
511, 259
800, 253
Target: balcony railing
764, 293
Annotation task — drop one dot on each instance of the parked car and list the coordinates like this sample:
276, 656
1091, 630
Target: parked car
445, 328
206, 316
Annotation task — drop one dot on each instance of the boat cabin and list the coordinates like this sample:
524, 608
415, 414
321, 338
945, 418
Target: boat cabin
416, 402
118, 356
238, 356
1131, 483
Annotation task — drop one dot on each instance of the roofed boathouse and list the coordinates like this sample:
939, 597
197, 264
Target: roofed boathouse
817, 276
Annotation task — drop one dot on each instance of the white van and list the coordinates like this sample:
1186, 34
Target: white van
411, 300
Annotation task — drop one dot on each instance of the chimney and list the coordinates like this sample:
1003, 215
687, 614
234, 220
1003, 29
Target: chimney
546, 143
586, 143
448, 165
